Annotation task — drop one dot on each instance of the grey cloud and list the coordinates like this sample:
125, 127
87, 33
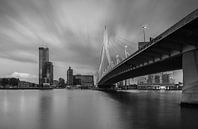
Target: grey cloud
73, 29
18, 56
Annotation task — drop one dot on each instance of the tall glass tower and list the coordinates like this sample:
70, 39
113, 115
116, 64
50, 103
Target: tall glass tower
70, 76
45, 67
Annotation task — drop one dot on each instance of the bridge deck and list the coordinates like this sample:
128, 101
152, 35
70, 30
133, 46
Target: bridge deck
164, 53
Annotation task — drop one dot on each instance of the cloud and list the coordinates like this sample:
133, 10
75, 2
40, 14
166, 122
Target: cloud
73, 29
24, 76
21, 75
21, 56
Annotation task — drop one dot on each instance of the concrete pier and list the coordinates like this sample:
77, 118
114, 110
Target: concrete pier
190, 78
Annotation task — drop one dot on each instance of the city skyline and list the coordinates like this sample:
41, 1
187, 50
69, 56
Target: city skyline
73, 30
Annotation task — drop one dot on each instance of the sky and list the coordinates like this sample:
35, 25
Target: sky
73, 31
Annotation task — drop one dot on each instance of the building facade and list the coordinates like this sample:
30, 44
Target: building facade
84, 80
49, 72
157, 78
77, 79
70, 76
150, 79
45, 67
167, 78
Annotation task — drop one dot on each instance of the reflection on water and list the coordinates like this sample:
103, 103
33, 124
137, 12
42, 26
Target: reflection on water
88, 109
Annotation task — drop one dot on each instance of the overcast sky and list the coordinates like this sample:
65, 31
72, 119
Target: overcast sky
73, 30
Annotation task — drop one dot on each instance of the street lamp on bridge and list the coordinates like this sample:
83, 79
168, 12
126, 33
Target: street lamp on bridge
117, 59
125, 51
144, 27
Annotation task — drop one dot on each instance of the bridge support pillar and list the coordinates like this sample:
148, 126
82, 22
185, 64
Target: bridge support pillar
190, 78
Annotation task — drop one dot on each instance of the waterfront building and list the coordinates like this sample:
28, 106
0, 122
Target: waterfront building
157, 79
120, 84
150, 79
25, 84
167, 78
70, 76
84, 80
43, 57
49, 72
45, 67
77, 79
142, 80
9, 82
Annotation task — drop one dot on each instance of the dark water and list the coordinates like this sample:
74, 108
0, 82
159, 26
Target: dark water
88, 109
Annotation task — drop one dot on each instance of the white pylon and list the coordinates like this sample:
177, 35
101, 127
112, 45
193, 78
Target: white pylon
105, 52
106, 45
100, 71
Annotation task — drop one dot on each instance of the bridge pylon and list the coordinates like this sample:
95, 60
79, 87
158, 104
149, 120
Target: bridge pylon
190, 77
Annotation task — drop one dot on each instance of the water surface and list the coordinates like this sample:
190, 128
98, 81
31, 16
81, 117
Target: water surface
89, 109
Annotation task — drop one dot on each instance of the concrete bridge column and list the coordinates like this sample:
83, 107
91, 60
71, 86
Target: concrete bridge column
190, 77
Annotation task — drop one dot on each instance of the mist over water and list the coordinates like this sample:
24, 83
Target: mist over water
89, 109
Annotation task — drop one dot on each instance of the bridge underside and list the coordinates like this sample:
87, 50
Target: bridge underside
174, 63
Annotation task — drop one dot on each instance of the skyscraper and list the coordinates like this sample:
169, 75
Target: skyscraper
49, 72
70, 76
45, 67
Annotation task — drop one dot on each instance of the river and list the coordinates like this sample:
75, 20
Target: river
91, 109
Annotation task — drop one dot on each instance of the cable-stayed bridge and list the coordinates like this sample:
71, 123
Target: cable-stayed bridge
176, 48
113, 52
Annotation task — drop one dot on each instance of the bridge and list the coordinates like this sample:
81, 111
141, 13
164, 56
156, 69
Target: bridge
174, 49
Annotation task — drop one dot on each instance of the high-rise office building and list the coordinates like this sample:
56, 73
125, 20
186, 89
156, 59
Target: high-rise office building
43, 57
45, 67
70, 76
49, 72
